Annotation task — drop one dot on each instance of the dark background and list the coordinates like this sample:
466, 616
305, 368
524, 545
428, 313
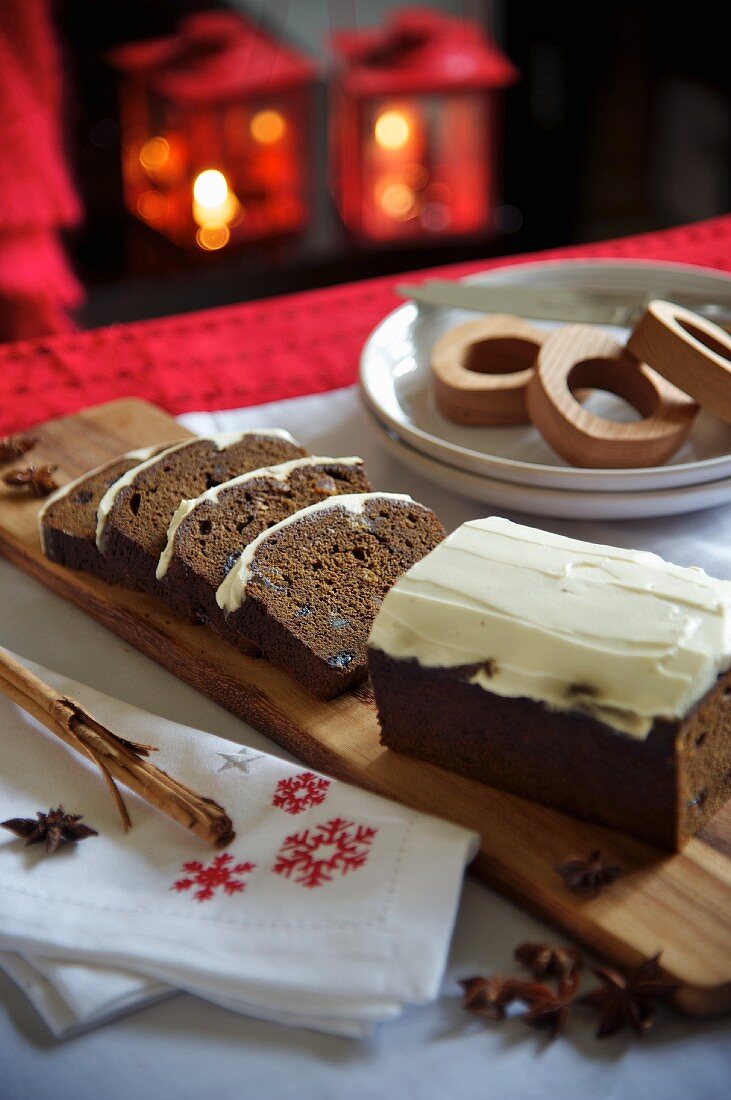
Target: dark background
620, 124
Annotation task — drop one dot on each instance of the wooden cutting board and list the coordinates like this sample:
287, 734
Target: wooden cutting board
679, 904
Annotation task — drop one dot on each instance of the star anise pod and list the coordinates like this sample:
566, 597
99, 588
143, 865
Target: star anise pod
489, 996
15, 446
628, 1001
37, 479
545, 961
548, 1008
53, 827
588, 876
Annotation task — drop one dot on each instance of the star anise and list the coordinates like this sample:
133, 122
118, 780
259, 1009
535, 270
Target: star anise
15, 446
37, 479
548, 1008
628, 1001
489, 996
588, 876
53, 827
544, 961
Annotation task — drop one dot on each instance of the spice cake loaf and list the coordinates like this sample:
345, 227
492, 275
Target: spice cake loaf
134, 514
67, 520
589, 678
207, 534
306, 591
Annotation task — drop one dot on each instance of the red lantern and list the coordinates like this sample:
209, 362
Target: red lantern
215, 124
413, 127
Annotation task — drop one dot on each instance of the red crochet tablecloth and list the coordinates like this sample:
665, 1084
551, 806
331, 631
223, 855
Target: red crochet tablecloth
261, 351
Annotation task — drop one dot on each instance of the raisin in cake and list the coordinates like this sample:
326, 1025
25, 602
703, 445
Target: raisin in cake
134, 514
67, 520
589, 678
207, 534
306, 591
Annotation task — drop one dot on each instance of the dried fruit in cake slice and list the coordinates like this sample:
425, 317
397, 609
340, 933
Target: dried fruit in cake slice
207, 534
134, 515
67, 520
306, 591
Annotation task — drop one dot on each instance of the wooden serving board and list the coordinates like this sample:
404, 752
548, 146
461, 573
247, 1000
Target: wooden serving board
679, 904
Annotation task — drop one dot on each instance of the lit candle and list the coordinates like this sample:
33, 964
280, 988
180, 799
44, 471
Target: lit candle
215, 207
392, 130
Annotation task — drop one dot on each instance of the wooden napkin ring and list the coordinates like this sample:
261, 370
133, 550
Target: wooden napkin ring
482, 369
580, 357
691, 352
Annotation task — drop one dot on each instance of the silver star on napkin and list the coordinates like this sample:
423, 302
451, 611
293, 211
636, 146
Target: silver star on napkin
239, 760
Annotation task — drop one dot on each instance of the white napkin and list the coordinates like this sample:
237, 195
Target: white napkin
332, 908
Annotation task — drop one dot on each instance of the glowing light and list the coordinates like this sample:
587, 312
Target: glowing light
152, 206
397, 200
267, 127
154, 154
210, 189
392, 130
214, 204
212, 236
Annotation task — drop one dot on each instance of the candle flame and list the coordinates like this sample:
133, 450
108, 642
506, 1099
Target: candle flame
392, 130
215, 208
210, 189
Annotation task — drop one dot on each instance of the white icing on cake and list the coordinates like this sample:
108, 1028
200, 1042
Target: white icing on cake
138, 456
221, 441
232, 592
280, 472
619, 634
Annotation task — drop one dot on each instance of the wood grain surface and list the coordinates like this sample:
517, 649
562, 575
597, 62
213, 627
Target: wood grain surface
677, 903
688, 350
482, 369
578, 358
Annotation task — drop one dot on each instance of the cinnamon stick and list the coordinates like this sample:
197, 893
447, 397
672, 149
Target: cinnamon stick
117, 758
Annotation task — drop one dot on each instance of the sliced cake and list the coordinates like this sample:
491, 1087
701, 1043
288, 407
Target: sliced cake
134, 514
67, 520
306, 591
207, 534
589, 678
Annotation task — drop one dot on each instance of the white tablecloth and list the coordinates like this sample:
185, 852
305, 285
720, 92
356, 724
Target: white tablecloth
184, 1048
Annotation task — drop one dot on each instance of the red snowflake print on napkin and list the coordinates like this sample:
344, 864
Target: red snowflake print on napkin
314, 856
209, 879
299, 792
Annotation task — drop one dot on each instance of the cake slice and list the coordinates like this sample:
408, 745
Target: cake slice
134, 514
306, 591
67, 520
207, 534
589, 678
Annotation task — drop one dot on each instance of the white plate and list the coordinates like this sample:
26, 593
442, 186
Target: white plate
563, 503
396, 385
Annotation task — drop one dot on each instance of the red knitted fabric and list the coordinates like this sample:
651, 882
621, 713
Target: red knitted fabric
37, 198
260, 351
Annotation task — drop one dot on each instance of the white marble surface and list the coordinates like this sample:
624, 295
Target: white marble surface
185, 1048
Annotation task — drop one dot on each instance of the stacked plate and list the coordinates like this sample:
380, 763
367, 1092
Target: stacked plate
514, 468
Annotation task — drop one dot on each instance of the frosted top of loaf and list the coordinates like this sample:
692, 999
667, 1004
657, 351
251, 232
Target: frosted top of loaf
619, 634
280, 472
222, 440
232, 592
